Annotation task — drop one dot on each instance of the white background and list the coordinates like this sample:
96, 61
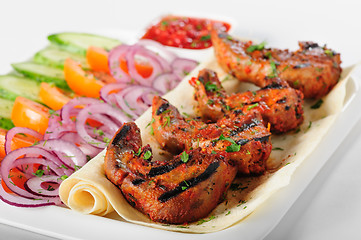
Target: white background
330, 207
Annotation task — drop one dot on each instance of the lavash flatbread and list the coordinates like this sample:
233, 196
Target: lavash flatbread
90, 192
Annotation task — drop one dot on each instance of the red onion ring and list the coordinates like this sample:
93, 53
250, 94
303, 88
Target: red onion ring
11, 161
34, 185
182, 66
130, 100
101, 108
162, 50
114, 64
66, 112
109, 89
86, 148
18, 201
17, 130
158, 63
166, 82
70, 153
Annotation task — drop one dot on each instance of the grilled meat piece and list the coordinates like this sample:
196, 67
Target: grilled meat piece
279, 104
312, 69
241, 138
183, 189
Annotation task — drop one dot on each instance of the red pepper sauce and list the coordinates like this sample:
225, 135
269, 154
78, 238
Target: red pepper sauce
184, 32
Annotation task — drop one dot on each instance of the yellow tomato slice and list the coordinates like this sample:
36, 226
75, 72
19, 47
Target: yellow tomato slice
30, 114
81, 82
52, 96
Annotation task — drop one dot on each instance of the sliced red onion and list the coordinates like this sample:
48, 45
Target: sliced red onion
109, 89
19, 130
102, 108
114, 65
182, 66
159, 48
49, 166
11, 161
35, 185
18, 201
75, 104
68, 152
86, 148
166, 82
158, 63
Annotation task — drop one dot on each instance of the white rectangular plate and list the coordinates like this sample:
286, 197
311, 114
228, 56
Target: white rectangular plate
63, 223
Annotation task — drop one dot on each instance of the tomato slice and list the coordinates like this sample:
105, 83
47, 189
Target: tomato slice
81, 82
30, 114
98, 61
52, 96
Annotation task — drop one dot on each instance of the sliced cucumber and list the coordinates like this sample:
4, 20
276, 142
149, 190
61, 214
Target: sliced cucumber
6, 106
79, 42
12, 86
55, 57
42, 73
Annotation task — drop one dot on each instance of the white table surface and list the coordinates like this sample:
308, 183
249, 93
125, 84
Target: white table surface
330, 207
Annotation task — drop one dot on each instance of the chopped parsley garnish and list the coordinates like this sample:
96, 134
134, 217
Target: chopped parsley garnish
185, 187
257, 47
328, 52
277, 149
252, 106
39, 173
139, 152
317, 104
167, 121
274, 69
206, 220
234, 147
147, 155
184, 157
63, 177
106, 140
211, 87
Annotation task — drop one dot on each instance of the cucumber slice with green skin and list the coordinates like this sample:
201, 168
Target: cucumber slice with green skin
12, 86
55, 57
42, 73
79, 42
6, 106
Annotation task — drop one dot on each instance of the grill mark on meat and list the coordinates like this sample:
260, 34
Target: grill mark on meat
138, 181
262, 139
310, 45
162, 108
244, 127
274, 85
122, 133
163, 169
301, 65
183, 186
242, 142
283, 100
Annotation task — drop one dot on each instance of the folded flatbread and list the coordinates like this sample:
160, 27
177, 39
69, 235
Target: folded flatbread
90, 192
